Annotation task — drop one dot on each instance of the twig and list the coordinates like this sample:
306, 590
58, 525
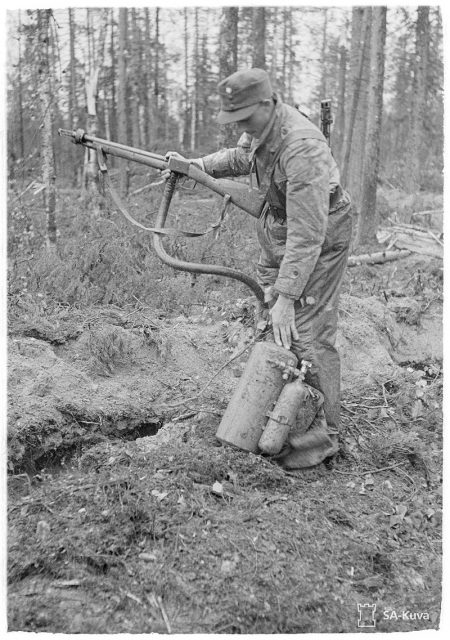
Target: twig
426, 213
359, 473
430, 545
408, 476
184, 416
157, 600
435, 238
150, 185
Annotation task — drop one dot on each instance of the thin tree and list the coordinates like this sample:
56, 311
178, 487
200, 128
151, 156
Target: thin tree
228, 57
368, 220
95, 64
259, 37
46, 93
195, 87
323, 53
156, 85
135, 75
339, 125
356, 126
186, 122
148, 72
122, 111
419, 99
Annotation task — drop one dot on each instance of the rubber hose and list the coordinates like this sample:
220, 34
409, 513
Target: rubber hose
194, 267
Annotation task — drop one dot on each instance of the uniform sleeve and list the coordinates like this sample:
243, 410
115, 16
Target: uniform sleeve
306, 164
230, 162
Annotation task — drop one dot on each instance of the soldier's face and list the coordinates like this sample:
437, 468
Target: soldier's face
255, 124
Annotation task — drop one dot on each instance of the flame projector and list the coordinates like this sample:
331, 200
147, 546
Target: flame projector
270, 401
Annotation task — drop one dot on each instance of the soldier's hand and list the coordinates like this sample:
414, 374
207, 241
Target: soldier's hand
165, 173
283, 322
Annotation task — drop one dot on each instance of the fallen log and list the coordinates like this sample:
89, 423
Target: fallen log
378, 257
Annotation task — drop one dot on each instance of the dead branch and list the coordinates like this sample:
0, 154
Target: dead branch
378, 257
412, 237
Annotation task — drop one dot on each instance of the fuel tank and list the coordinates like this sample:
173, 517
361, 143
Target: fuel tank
258, 389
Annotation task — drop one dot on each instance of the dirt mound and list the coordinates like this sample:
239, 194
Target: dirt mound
119, 378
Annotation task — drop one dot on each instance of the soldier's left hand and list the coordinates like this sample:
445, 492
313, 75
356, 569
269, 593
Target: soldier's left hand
283, 322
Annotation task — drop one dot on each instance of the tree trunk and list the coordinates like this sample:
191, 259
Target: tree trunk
95, 66
186, 122
135, 81
113, 54
275, 46
368, 219
259, 37
122, 111
156, 89
73, 114
356, 129
287, 29
228, 55
419, 95
148, 93
324, 66
291, 62
195, 88
46, 92
228, 41
20, 102
339, 127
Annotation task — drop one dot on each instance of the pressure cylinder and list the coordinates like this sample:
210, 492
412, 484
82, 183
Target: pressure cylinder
258, 389
294, 410
283, 416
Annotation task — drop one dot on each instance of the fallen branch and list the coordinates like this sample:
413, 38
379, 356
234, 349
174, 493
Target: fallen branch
150, 185
371, 471
412, 237
427, 213
378, 257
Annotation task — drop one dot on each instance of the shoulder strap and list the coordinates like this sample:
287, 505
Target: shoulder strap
291, 137
166, 231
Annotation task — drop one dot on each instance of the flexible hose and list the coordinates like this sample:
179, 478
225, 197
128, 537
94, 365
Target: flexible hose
194, 267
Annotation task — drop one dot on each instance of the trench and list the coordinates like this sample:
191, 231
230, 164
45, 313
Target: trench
66, 455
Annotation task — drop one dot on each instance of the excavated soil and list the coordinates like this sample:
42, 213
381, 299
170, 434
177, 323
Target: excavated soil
124, 377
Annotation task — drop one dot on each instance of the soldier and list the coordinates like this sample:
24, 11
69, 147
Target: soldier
304, 234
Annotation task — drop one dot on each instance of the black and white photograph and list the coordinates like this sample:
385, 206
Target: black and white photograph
223, 344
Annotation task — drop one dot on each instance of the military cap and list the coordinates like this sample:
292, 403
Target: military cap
241, 93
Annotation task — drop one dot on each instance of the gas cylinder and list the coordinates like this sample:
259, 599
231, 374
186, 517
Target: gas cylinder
295, 409
258, 389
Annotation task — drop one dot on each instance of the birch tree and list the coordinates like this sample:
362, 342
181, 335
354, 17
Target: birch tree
46, 93
94, 67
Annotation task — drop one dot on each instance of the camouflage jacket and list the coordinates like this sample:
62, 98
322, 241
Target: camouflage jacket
304, 176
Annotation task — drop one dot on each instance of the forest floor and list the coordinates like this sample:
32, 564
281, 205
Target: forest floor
127, 515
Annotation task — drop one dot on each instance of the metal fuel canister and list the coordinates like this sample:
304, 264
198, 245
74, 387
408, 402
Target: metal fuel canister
259, 387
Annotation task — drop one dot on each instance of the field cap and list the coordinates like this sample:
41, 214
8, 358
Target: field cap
241, 93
